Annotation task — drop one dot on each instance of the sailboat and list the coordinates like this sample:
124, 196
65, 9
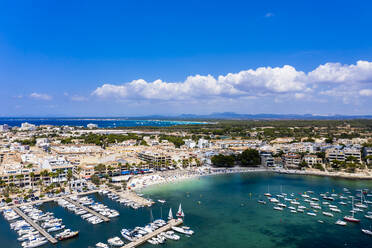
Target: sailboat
351, 218
361, 205
170, 215
268, 192
180, 213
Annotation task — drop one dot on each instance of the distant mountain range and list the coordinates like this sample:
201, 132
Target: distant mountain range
235, 116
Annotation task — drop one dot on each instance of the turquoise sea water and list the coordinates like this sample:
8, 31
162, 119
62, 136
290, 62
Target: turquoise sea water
223, 211
101, 122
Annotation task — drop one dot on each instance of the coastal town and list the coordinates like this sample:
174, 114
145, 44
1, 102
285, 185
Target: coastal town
39, 160
71, 165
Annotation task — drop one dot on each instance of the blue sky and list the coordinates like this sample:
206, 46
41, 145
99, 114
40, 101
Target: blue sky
126, 58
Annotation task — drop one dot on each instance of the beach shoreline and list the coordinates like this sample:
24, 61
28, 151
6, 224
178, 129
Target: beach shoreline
139, 183
343, 175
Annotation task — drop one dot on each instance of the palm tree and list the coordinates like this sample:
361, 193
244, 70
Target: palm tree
78, 170
184, 162
110, 169
69, 177
32, 177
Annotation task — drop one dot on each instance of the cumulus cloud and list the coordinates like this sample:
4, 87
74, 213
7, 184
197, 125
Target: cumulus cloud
338, 73
330, 79
40, 96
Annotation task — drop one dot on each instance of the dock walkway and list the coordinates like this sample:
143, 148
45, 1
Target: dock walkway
143, 239
104, 218
36, 226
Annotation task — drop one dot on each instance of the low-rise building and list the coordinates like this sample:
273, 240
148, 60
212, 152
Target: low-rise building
312, 160
292, 160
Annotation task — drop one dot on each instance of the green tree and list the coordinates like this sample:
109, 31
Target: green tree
95, 179
250, 157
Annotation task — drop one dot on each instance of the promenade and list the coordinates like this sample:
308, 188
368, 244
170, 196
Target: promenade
104, 218
140, 241
36, 226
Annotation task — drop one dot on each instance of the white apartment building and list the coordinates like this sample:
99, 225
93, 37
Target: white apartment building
27, 126
341, 155
203, 143
189, 143
354, 152
312, 160
4, 128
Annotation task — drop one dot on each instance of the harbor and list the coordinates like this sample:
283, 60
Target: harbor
50, 238
208, 212
142, 240
104, 218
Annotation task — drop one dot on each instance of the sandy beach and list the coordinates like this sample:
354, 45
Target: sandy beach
140, 182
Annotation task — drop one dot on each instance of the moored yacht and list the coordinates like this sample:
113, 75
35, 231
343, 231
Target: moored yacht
115, 241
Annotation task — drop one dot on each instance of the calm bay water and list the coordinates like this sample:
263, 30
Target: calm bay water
101, 122
223, 211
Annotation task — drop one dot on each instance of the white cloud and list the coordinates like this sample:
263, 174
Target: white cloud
40, 96
245, 83
338, 73
328, 80
365, 92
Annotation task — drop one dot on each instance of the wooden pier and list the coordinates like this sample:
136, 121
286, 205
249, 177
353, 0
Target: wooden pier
36, 226
155, 233
104, 218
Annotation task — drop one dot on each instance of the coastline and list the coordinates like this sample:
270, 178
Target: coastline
355, 176
139, 183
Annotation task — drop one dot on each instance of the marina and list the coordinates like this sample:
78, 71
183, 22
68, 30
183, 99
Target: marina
142, 240
310, 205
36, 226
104, 218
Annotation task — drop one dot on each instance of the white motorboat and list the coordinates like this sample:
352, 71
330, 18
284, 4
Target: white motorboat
153, 241
102, 245
335, 210
311, 213
115, 241
181, 230
368, 216
274, 200
341, 223
278, 208
366, 231
328, 214
126, 234
281, 205
56, 228
171, 235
